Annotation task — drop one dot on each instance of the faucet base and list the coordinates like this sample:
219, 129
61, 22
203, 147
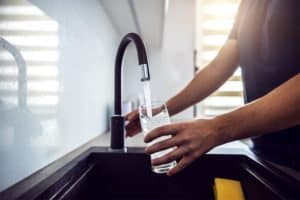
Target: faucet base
117, 132
124, 150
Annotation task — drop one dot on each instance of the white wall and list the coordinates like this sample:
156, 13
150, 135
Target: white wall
86, 53
171, 66
86, 50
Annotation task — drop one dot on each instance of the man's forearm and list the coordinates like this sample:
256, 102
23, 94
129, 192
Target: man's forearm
200, 87
275, 111
207, 80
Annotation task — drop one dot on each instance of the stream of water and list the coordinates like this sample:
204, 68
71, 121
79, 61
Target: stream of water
147, 96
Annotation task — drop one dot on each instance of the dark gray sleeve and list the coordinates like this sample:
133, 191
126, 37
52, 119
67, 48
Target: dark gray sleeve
234, 30
298, 34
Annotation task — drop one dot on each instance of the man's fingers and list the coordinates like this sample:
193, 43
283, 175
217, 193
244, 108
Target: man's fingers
173, 155
183, 163
169, 129
133, 124
133, 131
132, 115
165, 144
133, 127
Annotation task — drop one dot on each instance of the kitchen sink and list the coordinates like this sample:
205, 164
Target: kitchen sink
101, 174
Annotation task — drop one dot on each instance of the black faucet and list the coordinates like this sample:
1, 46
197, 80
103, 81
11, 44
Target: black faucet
117, 120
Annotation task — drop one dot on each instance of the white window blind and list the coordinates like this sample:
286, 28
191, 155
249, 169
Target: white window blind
214, 22
36, 37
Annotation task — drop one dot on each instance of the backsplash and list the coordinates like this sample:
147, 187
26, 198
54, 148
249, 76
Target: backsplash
68, 48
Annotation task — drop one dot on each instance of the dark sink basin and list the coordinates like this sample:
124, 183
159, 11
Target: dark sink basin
100, 174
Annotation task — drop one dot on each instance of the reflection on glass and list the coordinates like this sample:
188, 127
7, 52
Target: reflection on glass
61, 99
27, 118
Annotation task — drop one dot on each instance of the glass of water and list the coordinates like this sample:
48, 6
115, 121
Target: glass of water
160, 117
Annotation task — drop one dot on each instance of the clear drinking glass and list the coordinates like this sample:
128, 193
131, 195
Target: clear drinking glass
160, 117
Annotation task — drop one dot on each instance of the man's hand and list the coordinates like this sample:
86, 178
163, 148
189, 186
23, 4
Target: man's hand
191, 139
133, 127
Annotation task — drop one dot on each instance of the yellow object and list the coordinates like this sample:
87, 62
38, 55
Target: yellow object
227, 189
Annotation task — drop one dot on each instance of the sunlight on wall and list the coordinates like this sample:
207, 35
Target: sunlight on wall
214, 21
36, 36
62, 98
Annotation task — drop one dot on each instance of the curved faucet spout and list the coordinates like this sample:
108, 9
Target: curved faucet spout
117, 121
143, 62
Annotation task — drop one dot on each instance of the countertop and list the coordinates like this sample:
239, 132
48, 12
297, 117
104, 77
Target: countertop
138, 141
